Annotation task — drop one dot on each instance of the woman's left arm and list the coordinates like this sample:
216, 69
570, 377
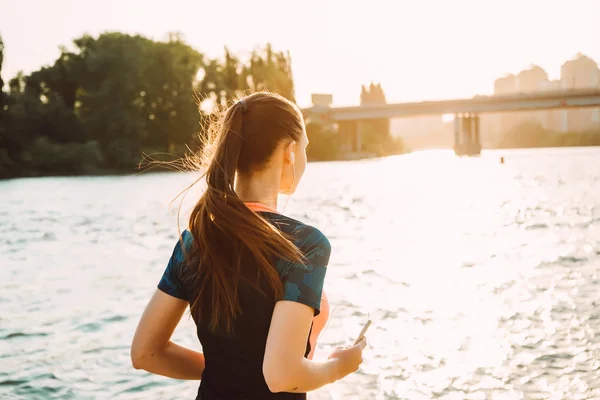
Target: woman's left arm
152, 349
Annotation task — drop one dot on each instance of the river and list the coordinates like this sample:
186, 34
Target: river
482, 279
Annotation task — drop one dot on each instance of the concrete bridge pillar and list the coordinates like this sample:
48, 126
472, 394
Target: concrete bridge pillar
358, 137
467, 141
457, 122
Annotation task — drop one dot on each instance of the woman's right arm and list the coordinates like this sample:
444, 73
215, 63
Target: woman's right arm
286, 369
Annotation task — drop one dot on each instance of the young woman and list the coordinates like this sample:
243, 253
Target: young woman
253, 278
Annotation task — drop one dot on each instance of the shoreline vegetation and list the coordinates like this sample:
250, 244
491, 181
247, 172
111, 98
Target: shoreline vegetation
532, 135
107, 102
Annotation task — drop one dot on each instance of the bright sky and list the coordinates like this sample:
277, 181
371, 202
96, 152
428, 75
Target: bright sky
417, 49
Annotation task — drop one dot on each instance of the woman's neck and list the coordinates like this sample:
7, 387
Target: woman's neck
260, 187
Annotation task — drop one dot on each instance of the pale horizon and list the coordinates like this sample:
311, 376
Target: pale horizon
422, 51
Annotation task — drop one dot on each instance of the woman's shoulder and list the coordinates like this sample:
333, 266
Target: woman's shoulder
305, 236
183, 246
312, 237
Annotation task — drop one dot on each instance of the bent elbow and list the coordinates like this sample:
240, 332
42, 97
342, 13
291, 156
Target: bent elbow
137, 363
138, 357
275, 383
271, 377
278, 377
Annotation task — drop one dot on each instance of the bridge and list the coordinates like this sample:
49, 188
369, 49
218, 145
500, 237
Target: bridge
466, 112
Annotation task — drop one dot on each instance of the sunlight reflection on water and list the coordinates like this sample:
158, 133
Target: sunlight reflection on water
481, 278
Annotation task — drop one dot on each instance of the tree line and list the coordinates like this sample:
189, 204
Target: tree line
534, 135
98, 107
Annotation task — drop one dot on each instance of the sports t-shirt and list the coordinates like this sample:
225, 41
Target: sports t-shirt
233, 362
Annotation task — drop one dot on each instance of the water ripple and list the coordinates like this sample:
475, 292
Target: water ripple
482, 280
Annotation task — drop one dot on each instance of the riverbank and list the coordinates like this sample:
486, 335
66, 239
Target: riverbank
47, 158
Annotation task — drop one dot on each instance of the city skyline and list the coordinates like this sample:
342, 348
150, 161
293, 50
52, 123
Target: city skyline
335, 46
579, 72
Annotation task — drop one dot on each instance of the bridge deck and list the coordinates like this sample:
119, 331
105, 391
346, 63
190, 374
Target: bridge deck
478, 104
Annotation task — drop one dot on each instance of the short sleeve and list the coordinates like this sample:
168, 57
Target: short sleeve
171, 282
303, 283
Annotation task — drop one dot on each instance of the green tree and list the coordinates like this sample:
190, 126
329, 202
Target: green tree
1, 80
23, 119
137, 94
271, 70
223, 80
111, 85
324, 143
32, 131
169, 100
8, 140
533, 134
54, 90
266, 69
112, 97
4, 157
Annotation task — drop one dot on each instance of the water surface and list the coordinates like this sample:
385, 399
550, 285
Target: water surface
482, 279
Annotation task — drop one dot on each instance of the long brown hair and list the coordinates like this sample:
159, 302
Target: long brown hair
241, 141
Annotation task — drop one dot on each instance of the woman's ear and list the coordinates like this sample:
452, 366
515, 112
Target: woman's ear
290, 153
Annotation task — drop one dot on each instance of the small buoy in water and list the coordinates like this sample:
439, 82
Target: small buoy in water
501, 160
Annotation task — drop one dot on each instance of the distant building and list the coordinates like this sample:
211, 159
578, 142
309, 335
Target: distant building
496, 124
372, 95
322, 99
531, 80
581, 72
505, 85
535, 79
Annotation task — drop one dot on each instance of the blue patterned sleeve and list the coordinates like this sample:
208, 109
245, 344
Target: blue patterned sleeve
303, 283
171, 282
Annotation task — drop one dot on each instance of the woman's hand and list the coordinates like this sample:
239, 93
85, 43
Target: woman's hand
349, 358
